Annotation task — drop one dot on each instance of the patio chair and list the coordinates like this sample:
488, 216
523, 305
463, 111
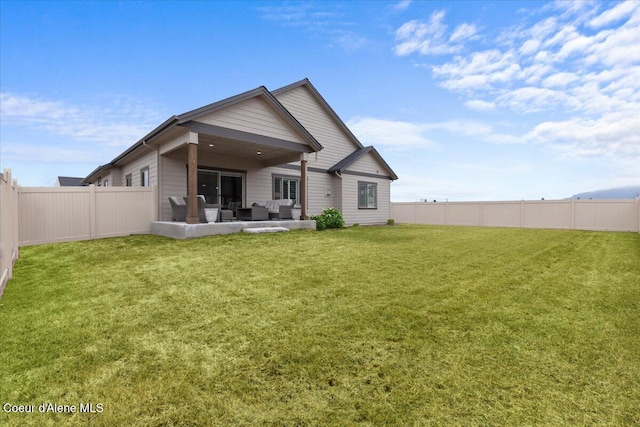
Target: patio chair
178, 209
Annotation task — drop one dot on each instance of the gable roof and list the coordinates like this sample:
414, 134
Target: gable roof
210, 108
343, 164
325, 106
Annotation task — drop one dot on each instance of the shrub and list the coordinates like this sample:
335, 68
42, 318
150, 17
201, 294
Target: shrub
329, 218
391, 221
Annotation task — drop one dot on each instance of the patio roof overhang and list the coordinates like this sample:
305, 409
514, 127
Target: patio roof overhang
231, 142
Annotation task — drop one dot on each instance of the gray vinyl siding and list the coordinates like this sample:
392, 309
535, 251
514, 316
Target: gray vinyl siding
317, 121
116, 178
253, 116
173, 181
350, 209
258, 186
147, 159
318, 183
367, 164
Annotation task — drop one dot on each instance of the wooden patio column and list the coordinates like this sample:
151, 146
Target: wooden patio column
192, 174
303, 186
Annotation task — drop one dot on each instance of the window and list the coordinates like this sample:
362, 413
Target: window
286, 187
105, 183
144, 176
367, 195
128, 180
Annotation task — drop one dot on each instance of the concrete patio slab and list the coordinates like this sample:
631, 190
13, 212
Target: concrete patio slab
182, 230
259, 230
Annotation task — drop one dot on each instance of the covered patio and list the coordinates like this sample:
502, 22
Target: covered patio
228, 160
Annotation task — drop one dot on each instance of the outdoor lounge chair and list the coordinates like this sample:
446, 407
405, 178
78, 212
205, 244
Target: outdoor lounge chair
178, 209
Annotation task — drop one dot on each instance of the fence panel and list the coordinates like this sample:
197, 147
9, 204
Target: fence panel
601, 215
124, 210
62, 214
611, 215
502, 214
547, 214
9, 251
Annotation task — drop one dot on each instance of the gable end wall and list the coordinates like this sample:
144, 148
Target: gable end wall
304, 107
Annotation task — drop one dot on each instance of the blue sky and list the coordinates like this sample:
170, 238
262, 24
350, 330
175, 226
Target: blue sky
465, 100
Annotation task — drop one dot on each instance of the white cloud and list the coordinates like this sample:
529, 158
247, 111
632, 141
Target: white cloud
319, 20
390, 133
479, 105
463, 32
612, 135
556, 65
429, 38
402, 5
402, 135
560, 80
120, 122
32, 152
620, 11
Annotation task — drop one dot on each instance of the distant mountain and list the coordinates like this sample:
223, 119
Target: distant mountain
611, 193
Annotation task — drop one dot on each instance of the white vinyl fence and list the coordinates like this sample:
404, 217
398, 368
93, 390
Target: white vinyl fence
63, 214
601, 215
8, 227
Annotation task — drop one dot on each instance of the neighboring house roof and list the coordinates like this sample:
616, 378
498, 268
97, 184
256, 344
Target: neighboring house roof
343, 164
69, 181
324, 104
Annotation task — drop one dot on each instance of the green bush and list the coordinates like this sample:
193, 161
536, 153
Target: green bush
391, 221
329, 218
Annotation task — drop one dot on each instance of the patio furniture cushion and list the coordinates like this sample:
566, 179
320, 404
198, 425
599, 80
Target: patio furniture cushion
273, 206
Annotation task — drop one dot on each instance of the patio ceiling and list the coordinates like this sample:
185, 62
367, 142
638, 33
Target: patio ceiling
229, 142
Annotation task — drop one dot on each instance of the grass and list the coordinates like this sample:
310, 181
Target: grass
403, 325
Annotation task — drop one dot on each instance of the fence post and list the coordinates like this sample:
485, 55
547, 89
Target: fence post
638, 211
154, 203
92, 212
446, 212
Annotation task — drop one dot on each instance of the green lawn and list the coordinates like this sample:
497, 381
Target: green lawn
403, 325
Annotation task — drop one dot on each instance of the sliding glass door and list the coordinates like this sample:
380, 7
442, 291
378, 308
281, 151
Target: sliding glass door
230, 188
219, 187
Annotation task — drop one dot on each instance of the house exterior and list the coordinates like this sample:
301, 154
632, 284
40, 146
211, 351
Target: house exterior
257, 146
